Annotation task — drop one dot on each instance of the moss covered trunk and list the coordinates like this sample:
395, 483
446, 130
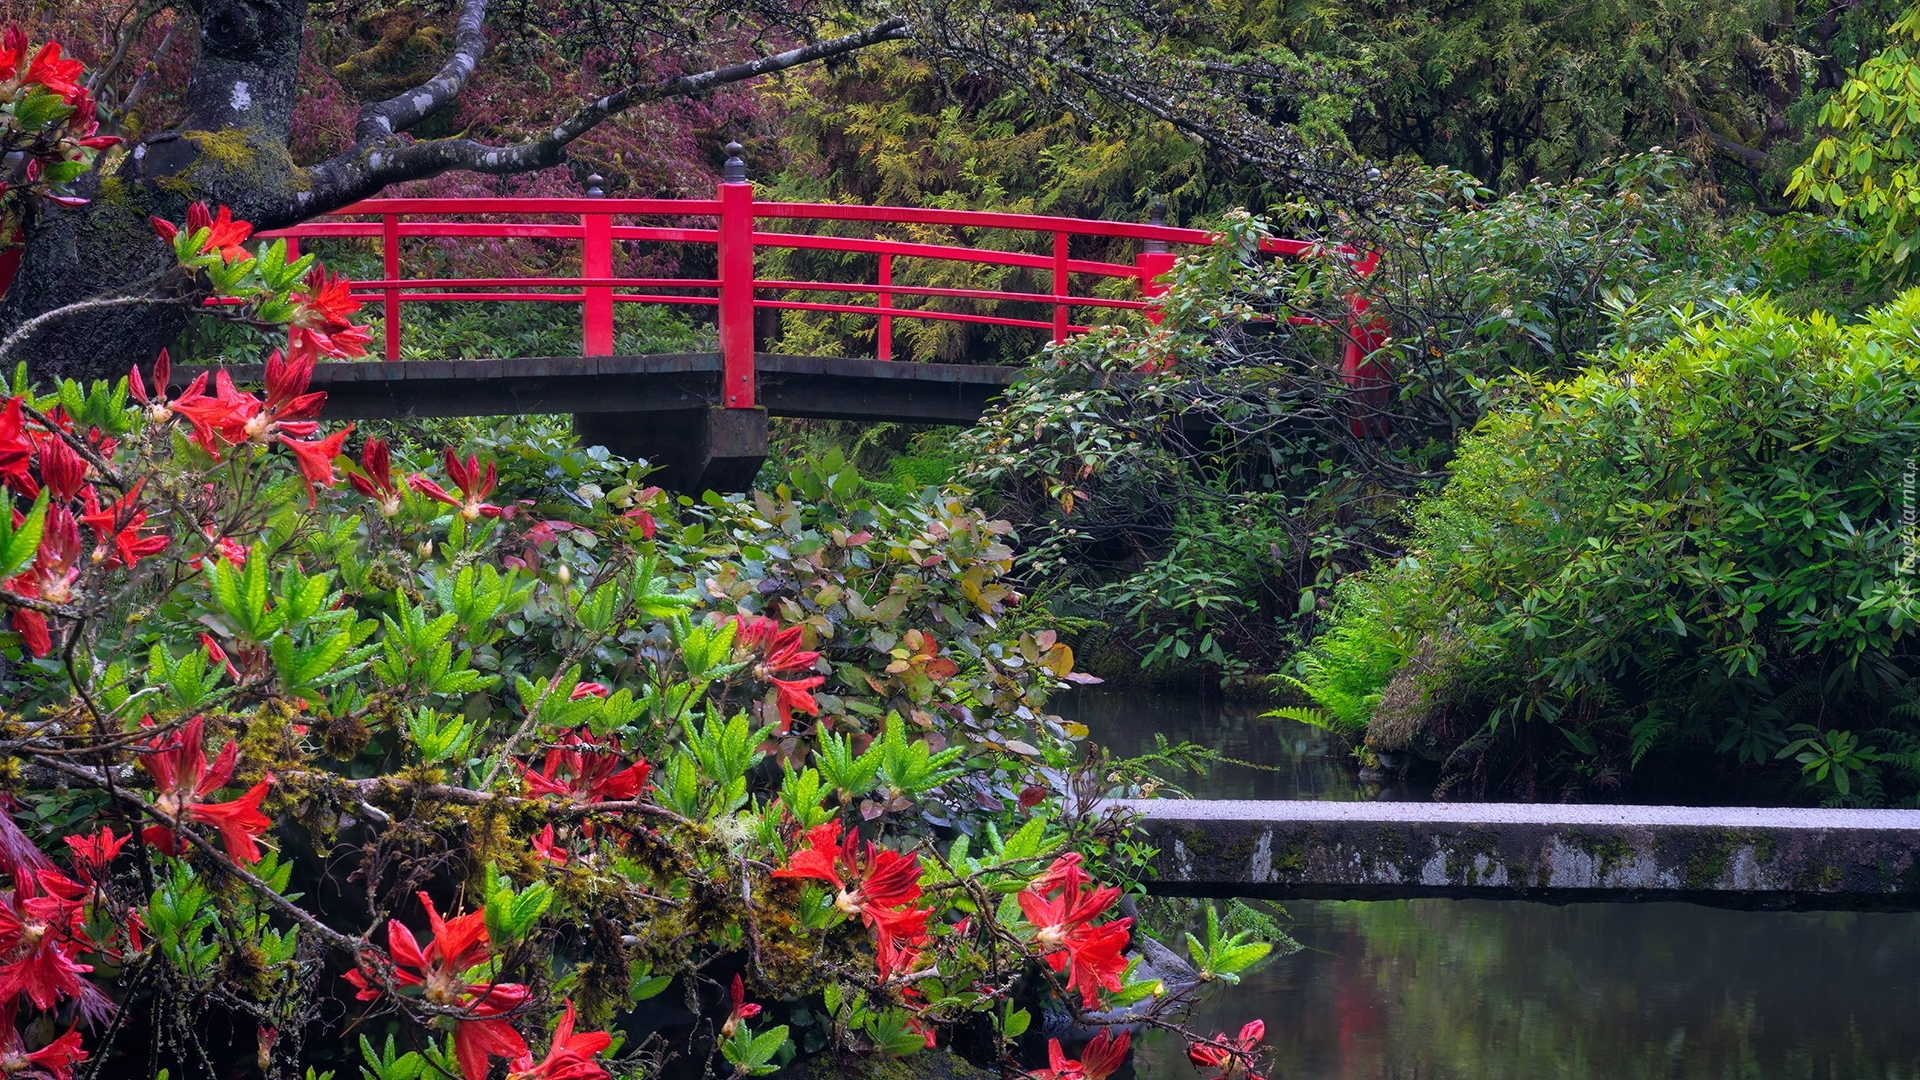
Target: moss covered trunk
232, 151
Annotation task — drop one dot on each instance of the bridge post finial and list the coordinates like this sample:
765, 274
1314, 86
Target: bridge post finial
735, 170
596, 186
1156, 215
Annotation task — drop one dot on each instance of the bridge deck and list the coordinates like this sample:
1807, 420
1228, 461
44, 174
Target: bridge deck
667, 409
818, 387
1750, 857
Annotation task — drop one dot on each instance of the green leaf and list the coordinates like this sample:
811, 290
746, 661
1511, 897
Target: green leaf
18, 544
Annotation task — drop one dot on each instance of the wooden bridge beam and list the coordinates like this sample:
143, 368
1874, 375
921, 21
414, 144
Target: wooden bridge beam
661, 408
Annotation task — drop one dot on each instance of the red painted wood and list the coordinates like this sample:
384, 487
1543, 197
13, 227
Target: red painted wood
572, 207
1062, 286
535, 282
885, 334
597, 226
982, 219
1152, 266
736, 295
596, 261
390, 266
915, 313
902, 249
572, 297
964, 294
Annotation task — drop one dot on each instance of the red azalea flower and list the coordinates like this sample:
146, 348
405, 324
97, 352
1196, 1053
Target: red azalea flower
41, 931
93, 853
162, 374
545, 848
588, 689
375, 481
784, 654
875, 883
13, 49
752, 632
458, 945
1065, 931
119, 525
224, 234
583, 769
315, 459
16, 450
346, 343
61, 468
289, 407
324, 321
54, 1061
473, 485
569, 1056
1101, 1058
56, 74
56, 566
85, 121
489, 1034
894, 957
742, 1009
792, 694
781, 654
1235, 1059
217, 420
177, 762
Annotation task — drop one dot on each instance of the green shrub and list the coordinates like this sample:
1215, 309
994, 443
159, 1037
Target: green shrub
1692, 549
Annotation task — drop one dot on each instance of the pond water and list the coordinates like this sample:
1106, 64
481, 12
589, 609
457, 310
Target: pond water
1486, 990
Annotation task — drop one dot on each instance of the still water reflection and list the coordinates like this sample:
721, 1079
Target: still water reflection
1284, 759
1483, 990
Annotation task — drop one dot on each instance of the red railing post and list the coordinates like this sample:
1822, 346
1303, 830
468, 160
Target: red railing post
390, 269
1364, 373
1154, 261
293, 256
1060, 286
736, 282
886, 303
596, 261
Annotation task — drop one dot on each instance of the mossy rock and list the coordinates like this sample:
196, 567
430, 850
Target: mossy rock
1418, 694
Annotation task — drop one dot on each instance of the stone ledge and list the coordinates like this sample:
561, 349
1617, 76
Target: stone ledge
1749, 857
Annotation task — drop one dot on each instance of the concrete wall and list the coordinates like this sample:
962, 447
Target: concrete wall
1729, 856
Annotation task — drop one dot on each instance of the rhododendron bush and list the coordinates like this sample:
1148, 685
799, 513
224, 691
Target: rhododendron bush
511, 778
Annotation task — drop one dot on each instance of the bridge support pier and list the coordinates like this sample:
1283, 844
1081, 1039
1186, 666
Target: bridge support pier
701, 449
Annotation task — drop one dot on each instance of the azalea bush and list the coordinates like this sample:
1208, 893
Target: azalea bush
49, 120
514, 762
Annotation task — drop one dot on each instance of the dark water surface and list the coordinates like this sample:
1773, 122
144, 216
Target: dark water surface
1506, 990
1298, 762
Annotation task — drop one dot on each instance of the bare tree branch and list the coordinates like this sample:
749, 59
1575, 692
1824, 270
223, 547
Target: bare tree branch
402, 111
374, 163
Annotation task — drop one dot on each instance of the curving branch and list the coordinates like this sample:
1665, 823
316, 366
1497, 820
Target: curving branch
381, 157
402, 111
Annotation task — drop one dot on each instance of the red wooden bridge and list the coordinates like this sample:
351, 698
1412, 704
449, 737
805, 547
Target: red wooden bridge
703, 415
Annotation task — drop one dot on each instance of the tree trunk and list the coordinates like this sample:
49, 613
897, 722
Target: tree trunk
232, 152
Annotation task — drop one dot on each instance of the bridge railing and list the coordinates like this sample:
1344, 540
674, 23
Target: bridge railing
741, 226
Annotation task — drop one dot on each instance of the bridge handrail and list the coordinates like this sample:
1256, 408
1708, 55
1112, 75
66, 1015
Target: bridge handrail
739, 228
